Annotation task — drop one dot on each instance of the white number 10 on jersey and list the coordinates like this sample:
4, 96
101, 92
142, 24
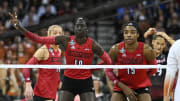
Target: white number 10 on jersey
78, 62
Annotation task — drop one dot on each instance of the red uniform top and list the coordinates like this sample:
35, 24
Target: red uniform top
48, 79
133, 78
79, 55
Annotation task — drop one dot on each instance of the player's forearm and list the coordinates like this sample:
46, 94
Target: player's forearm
26, 71
21, 29
106, 59
122, 86
150, 31
164, 35
146, 34
28, 84
38, 39
109, 72
169, 39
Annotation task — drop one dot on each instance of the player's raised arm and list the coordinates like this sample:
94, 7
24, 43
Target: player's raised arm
165, 36
62, 39
152, 31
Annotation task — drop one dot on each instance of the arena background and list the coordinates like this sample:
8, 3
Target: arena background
104, 17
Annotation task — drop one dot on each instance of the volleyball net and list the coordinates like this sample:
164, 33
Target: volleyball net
83, 66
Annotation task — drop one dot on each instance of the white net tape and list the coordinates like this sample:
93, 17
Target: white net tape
82, 66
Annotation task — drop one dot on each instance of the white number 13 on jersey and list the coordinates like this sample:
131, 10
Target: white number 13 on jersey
131, 71
78, 62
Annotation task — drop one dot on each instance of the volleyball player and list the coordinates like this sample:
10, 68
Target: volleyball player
48, 79
173, 62
131, 84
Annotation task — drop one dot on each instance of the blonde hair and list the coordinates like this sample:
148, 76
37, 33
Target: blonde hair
51, 28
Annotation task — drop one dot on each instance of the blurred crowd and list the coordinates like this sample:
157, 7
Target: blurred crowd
162, 15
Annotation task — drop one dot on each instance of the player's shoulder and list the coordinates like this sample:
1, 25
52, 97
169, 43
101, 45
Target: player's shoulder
41, 53
177, 43
91, 40
43, 48
115, 46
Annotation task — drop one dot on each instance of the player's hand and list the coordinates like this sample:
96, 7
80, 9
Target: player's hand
150, 31
130, 94
28, 93
14, 19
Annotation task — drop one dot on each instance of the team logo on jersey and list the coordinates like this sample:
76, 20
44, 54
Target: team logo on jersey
72, 47
138, 54
122, 50
51, 50
72, 42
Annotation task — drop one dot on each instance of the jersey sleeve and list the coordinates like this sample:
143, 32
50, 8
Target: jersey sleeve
106, 59
38, 39
26, 71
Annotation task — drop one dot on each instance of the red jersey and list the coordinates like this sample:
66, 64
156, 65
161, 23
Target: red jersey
48, 79
133, 78
79, 55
